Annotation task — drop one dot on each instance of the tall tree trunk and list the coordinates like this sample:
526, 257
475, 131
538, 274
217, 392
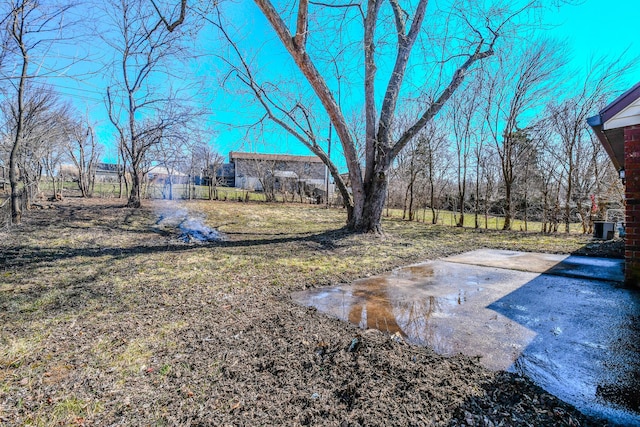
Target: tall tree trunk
526, 208
570, 172
135, 198
432, 200
16, 197
460, 222
567, 206
16, 208
53, 185
476, 208
545, 210
404, 205
371, 216
121, 170
93, 181
411, 200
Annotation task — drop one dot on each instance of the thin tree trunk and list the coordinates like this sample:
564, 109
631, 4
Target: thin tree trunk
432, 201
567, 207
411, 201
477, 201
545, 211
526, 209
509, 208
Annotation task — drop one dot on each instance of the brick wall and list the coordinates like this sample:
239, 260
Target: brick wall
632, 196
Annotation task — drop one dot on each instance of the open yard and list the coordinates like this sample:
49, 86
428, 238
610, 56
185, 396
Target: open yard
109, 317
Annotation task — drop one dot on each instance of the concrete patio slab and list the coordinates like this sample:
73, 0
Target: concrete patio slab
560, 265
535, 314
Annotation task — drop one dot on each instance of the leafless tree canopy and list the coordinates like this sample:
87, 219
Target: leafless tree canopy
429, 105
29, 28
398, 55
143, 108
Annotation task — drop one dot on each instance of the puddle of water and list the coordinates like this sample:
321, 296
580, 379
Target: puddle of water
572, 336
434, 305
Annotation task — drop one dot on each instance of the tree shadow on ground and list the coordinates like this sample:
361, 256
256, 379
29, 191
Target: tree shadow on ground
24, 256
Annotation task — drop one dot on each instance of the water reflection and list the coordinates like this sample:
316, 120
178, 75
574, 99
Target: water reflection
378, 305
427, 304
372, 307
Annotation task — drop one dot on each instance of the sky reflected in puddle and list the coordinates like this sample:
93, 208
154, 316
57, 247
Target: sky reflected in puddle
430, 304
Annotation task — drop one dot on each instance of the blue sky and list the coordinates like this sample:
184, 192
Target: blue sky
592, 28
597, 27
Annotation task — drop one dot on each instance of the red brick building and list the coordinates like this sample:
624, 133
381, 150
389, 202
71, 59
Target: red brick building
618, 129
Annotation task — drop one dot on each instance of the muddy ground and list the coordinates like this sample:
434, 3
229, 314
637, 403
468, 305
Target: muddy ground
109, 319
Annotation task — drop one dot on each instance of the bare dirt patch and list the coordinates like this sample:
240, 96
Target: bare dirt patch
108, 319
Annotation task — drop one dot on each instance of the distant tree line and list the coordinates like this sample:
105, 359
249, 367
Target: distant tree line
466, 109
506, 146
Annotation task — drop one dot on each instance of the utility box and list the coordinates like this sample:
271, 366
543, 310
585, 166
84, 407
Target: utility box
604, 230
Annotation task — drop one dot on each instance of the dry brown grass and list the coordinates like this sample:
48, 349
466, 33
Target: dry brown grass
109, 318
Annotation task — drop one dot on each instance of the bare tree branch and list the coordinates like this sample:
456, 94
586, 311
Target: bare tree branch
173, 25
309, 140
300, 39
436, 106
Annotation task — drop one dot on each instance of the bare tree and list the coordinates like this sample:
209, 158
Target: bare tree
141, 107
404, 176
436, 163
480, 157
84, 151
44, 133
591, 169
33, 26
173, 155
419, 174
208, 162
550, 185
569, 117
409, 161
54, 151
489, 171
465, 121
471, 38
264, 171
519, 85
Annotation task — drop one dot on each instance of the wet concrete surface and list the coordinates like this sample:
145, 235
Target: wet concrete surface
560, 265
540, 315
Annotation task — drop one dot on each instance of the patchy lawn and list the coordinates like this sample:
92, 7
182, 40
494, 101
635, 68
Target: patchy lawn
109, 318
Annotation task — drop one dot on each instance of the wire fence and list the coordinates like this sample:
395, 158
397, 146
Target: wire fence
152, 191
5, 214
5, 210
200, 192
